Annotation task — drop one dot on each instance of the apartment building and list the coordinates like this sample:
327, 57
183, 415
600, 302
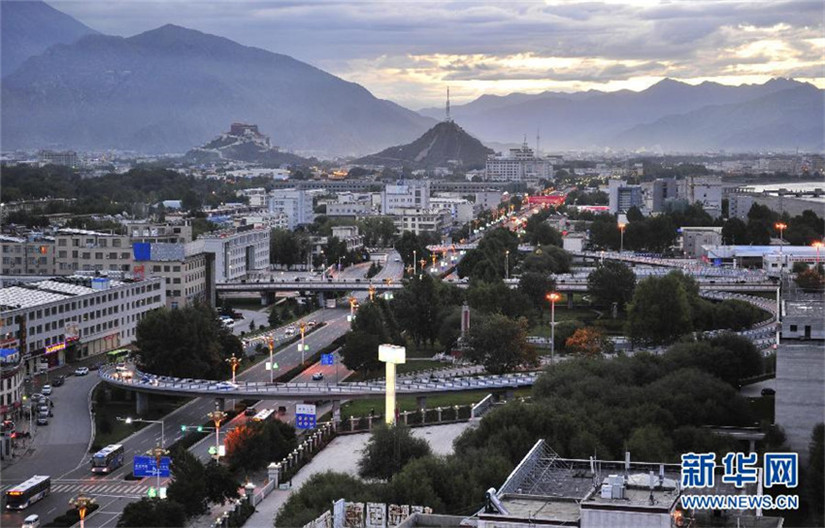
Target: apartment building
422, 220
622, 196
295, 203
32, 255
410, 194
520, 164
237, 252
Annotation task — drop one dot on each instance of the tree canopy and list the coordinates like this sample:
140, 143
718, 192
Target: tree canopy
500, 344
389, 449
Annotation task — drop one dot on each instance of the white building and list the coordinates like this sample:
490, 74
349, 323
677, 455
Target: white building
11, 384
519, 165
71, 318
411, 194
350, 205
422, 220
461, 210
295, 203
694, 237
488, 200
706, 190
237, 252
258, 196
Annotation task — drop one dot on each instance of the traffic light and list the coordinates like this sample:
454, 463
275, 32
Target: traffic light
152, 492
183, 428
200, 428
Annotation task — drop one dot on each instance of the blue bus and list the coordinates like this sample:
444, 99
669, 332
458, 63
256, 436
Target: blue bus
25, 494
108, 459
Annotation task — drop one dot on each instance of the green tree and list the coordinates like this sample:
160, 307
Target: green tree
544, 234
418, 308
450, 329
274, 317
188, 486
655, 296
221, 486
734, 232
500, 344
187, 342
388, 449
547, 259
374, 325
649, 442
286, 247
810, 280
152, 513
612, 282
536, 286
319, 492
247, 448
411, 248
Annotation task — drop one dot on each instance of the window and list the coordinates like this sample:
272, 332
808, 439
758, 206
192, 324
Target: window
99, 255
124, 255
116, 242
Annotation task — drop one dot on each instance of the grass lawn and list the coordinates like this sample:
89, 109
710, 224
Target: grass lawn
408, 403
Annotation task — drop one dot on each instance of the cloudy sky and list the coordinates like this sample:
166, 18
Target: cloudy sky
410, 51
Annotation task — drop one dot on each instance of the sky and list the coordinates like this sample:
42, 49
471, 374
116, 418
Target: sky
410, 51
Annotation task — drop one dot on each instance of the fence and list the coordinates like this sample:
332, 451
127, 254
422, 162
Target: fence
435, 416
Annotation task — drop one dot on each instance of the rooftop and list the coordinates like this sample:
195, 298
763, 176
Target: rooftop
47, 291
805, 309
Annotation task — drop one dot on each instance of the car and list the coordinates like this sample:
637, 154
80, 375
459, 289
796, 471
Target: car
32, 521
47, 389
81, 371
396, 259
226, 385
312, 322
250, 411
767, 391
318, 376
58, 381
36, 397
42, 419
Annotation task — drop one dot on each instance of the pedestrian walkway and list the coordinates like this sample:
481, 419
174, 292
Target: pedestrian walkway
106, 488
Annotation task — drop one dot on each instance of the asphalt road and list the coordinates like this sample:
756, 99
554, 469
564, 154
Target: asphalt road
67, 461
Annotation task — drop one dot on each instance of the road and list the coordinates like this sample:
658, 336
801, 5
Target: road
67, 463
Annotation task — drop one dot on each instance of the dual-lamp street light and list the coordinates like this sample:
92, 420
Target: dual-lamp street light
553, 297
81, 503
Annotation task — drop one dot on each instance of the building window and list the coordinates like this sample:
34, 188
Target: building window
794, 328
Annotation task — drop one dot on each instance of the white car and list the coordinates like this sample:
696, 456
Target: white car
47, 389
32, 521
226, 385
81, 371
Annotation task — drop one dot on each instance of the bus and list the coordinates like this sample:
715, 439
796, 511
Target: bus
24, 495
108, 459
264, 415
117, 356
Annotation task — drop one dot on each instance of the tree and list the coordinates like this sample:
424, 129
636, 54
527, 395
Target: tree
612, 282
410, 248
377, 230
544, 234
187, 342
152, 513
735, 231
221, 486
418, 307
374, 325
654, 297
649, 442
188, 486
810, 280
274, 317
588, 341
388, 449
500, 344
450, 329
547, 259
247, 448
319, 491
535, 286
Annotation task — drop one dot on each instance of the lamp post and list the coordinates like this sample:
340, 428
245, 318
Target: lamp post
391, 355
353, 302
217, 416
507, 265
130, 420
271, 364
157, 452
81, 503
622, 225
303, 328
372, 292
423, 263
781, 226
415, 256
817, 244
233, 362
553, 297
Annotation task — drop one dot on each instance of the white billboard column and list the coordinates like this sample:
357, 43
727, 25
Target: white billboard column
392, 355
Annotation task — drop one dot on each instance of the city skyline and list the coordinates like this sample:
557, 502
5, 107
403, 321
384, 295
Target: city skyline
410, 53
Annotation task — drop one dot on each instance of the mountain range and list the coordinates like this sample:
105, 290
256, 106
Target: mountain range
443, 145
65, 86
172, 88
670, 115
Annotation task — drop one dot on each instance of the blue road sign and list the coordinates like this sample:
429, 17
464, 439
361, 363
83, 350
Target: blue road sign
305, 416
327, 359
146, 466
717, 262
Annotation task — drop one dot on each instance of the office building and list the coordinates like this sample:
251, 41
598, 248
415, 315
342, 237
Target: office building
741, 201
32, 255
461, 210
187, 270
57, 320
411, 194
423, 220
295, 203
67, 158
237, 252
705, 190
350, 205
693, 238
659, 192
622, 196
11, 380
520, 164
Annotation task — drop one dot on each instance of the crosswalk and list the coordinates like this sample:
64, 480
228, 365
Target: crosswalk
110, 488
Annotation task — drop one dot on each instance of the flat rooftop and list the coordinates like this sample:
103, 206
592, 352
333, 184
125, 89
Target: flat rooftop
806, 309
45, 292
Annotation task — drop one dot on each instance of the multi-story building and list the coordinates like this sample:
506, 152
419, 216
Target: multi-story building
423, 220
693, 238
350, 236
258, 196
11, 382
622, 196
295, 203
67, 158
350, 205
740, 203
58, 320
187, 270
519, 165
461, 210
488, 200
237, 252
705, 190
658, 192
33, 255
410, 194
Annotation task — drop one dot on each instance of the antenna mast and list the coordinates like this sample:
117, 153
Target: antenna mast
448, 105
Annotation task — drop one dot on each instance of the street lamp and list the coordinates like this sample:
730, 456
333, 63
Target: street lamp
415, 256
553, 297
217, 416
372, 292
303, 328
271, 364
130, 420
353, 302
622, 225
81, 503
507, 264
233, 362
781, 226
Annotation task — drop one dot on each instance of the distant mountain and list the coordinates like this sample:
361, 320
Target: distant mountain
784, 120
171, 88
29, 28
243, 143
596, 119
443, 145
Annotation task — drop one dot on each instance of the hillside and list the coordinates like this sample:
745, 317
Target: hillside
443, 145
29, 28
171, 88
243, 143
